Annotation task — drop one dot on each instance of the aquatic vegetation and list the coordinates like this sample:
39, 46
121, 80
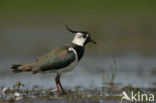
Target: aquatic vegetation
109, 78
18, 85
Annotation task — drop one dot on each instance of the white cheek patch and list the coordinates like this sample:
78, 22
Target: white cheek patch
78, 40
79, 35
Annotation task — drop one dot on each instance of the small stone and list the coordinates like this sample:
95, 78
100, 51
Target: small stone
19, 98
17, 94
43, 91
54, 90
4, 90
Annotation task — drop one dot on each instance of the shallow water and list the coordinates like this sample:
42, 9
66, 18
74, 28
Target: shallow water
130, 70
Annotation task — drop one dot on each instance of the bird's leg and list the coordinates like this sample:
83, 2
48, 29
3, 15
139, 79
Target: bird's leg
60, 83
57, 82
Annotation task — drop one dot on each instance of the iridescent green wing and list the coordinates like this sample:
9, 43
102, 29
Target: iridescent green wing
55, 59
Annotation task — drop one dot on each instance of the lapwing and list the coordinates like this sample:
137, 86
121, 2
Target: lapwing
59, 60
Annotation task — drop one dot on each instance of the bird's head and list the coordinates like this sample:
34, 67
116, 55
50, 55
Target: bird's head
81, 37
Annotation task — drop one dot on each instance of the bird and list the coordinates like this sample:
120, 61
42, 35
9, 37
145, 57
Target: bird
59, 60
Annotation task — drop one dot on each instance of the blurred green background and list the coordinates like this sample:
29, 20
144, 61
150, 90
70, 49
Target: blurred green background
33, 27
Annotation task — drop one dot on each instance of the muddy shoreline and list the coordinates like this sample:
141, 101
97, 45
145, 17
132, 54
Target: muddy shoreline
77, 95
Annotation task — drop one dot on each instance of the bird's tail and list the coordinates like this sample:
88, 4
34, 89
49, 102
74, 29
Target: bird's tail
23, 67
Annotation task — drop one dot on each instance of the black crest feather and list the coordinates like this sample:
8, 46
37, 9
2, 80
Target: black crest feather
73, 31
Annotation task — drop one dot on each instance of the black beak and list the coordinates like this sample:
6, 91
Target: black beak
92, 41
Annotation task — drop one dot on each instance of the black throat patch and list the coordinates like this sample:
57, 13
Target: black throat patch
79, 51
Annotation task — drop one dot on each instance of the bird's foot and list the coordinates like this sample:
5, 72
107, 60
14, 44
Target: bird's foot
64, 92
61, 93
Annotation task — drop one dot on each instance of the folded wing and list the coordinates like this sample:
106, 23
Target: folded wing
56, 59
